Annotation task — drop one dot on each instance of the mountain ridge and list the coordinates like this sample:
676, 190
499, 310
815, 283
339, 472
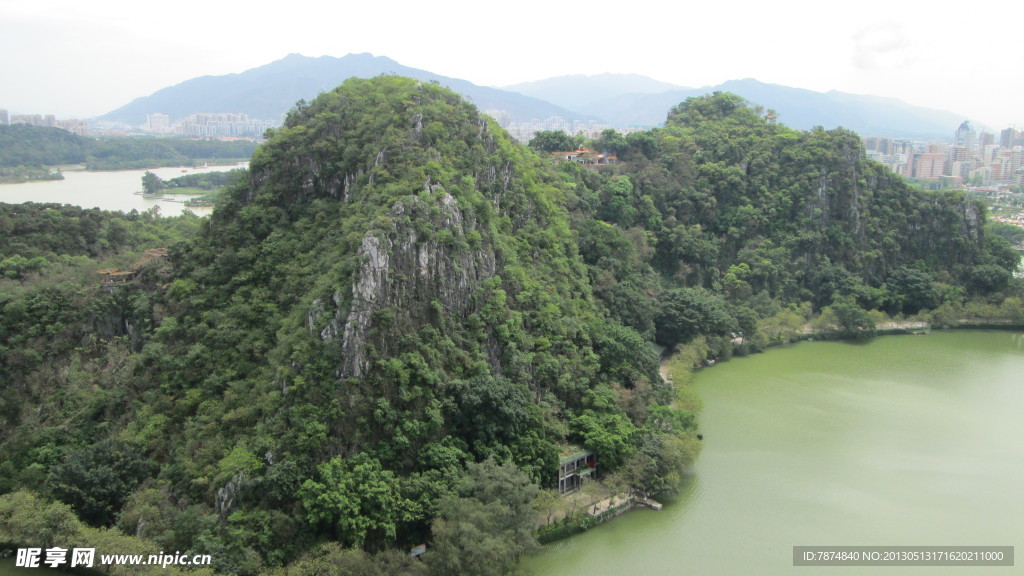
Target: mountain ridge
620, 100
799, 108
269, 91
571, 90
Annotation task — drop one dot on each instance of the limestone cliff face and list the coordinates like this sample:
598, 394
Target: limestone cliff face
402, 275
421, 201
856, 203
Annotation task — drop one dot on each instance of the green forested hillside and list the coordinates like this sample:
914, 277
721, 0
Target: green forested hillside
739, 209
389, 329
24, 145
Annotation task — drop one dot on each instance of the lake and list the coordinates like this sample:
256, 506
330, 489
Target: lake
899, 441
106, 189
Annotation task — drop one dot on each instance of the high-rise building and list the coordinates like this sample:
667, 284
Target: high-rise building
80, 127
1006, 137
965, 136
1001, 168
958, 169
223, 125
30, 119
929, 166
158, 122
958, 153
989, 153
34, 119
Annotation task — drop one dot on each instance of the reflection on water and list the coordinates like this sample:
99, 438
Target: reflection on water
904, 441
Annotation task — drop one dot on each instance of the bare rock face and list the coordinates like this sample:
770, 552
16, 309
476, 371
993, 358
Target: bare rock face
403, 271
368, 295
421, 200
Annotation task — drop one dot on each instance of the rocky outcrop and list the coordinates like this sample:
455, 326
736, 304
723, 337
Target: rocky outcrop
403, 272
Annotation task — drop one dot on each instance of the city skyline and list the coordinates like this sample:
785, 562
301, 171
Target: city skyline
968, 157
78, 60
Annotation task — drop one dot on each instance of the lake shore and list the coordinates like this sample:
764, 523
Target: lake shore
858, 440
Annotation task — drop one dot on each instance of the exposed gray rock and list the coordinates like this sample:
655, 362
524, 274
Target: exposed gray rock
402, 272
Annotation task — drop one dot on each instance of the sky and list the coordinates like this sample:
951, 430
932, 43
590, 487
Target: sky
81, 59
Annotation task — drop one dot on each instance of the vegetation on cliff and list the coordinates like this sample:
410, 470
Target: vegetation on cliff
745, 223
389, 327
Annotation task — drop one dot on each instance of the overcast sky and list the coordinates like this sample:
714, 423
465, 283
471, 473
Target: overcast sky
82, 59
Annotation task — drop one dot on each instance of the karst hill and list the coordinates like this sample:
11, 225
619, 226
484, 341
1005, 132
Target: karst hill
390, 331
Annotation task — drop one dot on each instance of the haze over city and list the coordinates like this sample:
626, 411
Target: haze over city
77, 59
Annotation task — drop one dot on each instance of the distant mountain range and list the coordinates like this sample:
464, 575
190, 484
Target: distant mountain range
578, 91
619, 100
271, 90
631, 100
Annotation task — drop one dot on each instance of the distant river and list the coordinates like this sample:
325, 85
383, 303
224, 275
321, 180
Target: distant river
900, 441
106, 189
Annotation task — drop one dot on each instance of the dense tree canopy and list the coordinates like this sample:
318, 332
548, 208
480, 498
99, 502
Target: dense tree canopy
554, 141
397, 318
25, 145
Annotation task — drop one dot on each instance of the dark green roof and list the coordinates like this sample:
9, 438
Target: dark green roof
580, 453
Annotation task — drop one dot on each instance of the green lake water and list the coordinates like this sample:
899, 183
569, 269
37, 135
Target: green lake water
899, 441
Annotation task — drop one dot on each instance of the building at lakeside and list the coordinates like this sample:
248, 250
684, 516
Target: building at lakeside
575, 466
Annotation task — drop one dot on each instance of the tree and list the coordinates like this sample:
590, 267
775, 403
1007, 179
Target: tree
547, 503
988, 278
610, 435
493, 410
553, 141
911, 290
97, 480
485, 529
28, 519
625, 355
684, 313
610, 142
151, 183
660, 463
617, 202
785, 324
358, 498
333, 558
848, 317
